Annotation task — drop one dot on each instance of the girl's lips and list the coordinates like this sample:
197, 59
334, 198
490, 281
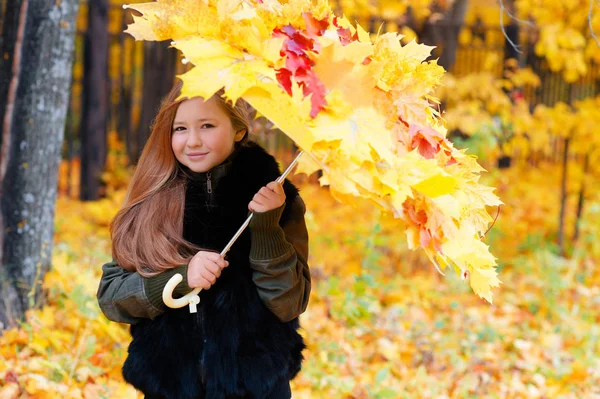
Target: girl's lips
197, 155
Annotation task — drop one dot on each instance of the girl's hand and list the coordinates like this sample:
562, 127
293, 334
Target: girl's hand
204, 269
268, 198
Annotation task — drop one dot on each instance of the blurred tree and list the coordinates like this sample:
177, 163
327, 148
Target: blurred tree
95, 100
511, 31
441, 29
159, 77
37, 47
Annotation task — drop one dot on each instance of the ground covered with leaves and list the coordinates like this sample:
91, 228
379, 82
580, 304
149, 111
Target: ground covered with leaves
381, 323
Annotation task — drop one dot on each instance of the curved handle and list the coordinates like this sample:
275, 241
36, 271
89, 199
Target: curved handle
191, 299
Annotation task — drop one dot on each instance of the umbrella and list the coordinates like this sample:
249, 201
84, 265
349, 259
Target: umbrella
361, 107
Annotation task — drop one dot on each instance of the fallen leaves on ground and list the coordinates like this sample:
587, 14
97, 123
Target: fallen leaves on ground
381, 323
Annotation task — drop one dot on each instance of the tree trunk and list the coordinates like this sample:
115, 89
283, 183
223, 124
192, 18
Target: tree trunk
8, 39
34, 109
123, 108
563, 198
444, 32
452, 24
580, 201
95, 105
159, 77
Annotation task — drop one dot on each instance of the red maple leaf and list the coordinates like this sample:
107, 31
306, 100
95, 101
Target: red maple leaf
298, 46
452, 160
419, 218
317, 90
294, 63
426, 139
289, 30
315, 26
285, 78
298, 64
345, 35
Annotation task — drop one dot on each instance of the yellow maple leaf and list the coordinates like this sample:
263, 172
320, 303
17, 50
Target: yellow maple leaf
437, 185
269, 100
482, 280
307, 165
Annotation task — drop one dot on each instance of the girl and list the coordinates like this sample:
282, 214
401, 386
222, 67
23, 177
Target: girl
196, 179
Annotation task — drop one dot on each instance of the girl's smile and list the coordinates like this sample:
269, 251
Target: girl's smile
197, 155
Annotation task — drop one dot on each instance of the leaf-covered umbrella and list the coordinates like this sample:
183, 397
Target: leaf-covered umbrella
361, 107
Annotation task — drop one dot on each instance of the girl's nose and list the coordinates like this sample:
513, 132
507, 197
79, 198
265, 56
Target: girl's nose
194, 139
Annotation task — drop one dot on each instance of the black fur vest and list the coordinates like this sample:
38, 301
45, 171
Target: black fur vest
233, 346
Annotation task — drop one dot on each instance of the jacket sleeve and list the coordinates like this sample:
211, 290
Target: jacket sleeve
278, 257
128, 297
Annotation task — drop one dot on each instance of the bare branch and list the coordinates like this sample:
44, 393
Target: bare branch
514, 17
590, 22
502, 9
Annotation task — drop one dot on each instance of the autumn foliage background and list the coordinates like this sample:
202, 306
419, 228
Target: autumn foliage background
382, 323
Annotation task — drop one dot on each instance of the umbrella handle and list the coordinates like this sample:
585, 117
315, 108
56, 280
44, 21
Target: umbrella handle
192, 298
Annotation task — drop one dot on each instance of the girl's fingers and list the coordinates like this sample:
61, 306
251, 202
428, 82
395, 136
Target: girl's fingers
214, 256
272, 194
262, 197
268, 197
204, 283
255, 206
218, 261
221, 263
213, 267
276, 187
258, 202
208, 275
217, 258
267, 192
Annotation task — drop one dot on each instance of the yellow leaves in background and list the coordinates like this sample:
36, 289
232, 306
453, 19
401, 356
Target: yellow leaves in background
390, 10
474, 94
427, 339
564, 38
477, 105
564, 50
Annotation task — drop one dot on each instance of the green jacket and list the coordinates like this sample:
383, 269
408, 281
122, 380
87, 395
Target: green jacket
278, 257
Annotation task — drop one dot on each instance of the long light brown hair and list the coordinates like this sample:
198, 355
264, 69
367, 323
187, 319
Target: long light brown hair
147, 232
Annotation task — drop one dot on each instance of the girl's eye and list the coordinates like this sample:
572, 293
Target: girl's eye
179, 129
207, 126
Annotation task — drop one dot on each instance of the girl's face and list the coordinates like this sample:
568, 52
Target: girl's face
203, 136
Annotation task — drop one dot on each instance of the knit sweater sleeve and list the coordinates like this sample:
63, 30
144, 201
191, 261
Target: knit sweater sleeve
278, 257
127, 297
